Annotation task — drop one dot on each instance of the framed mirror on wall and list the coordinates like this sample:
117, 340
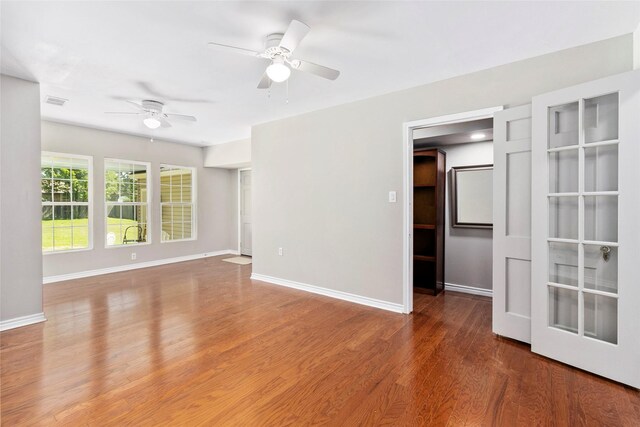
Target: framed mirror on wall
472, 196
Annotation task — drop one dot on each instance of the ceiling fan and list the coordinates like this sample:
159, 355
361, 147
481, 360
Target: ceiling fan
278, 49
153, 115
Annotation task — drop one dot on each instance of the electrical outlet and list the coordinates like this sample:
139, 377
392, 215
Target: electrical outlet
133, 256
280, 251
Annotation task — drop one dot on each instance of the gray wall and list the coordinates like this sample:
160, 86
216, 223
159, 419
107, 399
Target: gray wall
20, 245
468, 251
216, 201
320, 180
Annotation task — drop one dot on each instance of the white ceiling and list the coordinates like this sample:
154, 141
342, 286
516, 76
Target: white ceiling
455, 133
98, 53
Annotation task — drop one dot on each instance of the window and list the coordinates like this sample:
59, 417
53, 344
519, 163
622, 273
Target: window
126, 193
66, 189
177, 203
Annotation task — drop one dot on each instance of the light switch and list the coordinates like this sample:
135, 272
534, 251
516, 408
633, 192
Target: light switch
392, 196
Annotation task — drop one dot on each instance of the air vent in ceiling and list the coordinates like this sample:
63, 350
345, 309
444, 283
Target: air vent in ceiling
54, 100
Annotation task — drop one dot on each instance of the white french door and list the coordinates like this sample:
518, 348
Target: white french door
512, 223
585, 285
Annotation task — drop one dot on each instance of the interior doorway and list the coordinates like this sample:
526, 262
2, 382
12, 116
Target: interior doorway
244, 220
439, 134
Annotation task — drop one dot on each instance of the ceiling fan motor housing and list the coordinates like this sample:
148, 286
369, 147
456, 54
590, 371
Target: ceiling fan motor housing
272, 47
152, 106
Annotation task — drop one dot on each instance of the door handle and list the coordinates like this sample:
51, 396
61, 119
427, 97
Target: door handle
606, 252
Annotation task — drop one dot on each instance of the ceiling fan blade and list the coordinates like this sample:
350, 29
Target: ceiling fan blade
122, 112
164, 122
182, 117
318, 70
148, 88
139, 106
265, 82
157, 94
193, 100
293, 36
240, 50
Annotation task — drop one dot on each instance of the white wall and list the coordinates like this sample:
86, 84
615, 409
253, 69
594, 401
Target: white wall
468, 251
231, 155
20, 245
636, 48
216, 198
321, 179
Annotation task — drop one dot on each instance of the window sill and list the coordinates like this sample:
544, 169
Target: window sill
128, 245
67, 251
180, 240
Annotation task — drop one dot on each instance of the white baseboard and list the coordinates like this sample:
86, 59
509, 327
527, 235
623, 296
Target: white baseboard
468, 290
17, 322
135, 266
371, 302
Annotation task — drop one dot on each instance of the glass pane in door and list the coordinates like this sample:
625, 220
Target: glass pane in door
563, 125
601, 168
601, 118
601, 218
563, 171
563, 263
601, 317
563, 309
563, 217
601, 268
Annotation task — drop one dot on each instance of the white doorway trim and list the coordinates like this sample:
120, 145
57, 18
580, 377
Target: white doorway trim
407, 130
239, 215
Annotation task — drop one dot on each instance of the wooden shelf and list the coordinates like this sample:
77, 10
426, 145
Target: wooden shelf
428, 152
429, 174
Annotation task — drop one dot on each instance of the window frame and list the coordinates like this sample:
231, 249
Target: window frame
89, 202
194, 202
106, 203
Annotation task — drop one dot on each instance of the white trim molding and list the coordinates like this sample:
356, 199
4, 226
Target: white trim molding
371, 302
468, 290
240, 170
17, 322
119, 268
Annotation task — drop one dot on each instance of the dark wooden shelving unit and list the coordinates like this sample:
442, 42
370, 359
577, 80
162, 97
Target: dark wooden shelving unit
424, 226
429, 174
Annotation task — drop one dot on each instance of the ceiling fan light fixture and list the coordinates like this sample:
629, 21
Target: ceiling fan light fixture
151, 122
278, 71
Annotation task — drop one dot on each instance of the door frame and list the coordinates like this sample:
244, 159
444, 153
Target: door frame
239, 216
407, 189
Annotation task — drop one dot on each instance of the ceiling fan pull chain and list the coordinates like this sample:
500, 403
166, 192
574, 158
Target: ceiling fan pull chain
287, 100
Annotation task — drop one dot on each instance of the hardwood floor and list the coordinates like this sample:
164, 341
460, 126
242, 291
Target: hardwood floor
199, 343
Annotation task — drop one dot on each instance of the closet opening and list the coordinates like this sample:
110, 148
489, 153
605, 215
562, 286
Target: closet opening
448, 205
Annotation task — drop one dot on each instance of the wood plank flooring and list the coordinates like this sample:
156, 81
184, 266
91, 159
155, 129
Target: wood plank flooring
199, 343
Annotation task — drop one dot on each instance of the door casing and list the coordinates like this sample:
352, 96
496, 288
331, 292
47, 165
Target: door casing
240, 208
407, 189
